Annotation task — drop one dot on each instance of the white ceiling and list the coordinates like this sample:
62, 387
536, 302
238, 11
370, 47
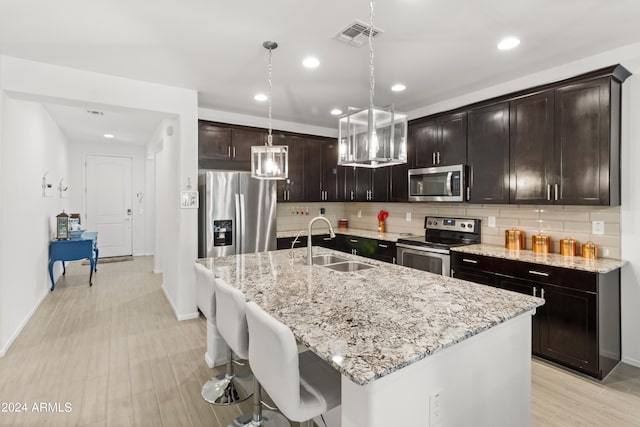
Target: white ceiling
438, 49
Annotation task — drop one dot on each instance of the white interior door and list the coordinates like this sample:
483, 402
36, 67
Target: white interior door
109, 203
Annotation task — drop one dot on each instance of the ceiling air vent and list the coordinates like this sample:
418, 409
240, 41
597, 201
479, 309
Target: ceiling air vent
95, 113
357, 34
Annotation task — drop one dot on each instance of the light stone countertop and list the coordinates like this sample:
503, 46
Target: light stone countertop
390, 316
600, 265
371, 234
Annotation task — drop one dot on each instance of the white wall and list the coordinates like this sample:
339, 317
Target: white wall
55, 84
78, 151
32, 144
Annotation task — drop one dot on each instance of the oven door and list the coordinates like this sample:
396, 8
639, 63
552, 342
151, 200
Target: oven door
425, 259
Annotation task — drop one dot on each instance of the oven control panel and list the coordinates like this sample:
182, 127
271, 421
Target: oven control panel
452, 224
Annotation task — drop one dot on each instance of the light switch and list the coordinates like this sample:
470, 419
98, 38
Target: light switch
408, 216
492, 221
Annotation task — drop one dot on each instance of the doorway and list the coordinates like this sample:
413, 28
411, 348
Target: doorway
108, 195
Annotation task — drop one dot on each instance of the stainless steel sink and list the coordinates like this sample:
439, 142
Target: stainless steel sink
349, 266
325, 259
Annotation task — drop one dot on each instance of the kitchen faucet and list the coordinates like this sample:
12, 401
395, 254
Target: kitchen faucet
309, 246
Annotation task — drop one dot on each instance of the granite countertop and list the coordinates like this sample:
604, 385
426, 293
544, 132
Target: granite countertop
600, 265
390, 316
371, 234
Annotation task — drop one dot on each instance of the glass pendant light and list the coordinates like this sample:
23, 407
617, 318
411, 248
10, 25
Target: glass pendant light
269, 161
372, 137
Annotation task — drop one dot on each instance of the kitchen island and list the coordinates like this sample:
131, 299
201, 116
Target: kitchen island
422, 349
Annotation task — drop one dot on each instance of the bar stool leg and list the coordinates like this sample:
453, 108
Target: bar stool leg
260, 417
229, 388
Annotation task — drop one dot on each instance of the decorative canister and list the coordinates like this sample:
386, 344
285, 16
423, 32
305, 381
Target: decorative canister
568, 247
540, 243
343, 223
514, 239
590, 250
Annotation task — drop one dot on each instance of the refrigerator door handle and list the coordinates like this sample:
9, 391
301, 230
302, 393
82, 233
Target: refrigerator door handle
242, 221
236, 226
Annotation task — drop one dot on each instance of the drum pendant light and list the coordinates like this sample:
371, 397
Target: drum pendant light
372, 137
269, 161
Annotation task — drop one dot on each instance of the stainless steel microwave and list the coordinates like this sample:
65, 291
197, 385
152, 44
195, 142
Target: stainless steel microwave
437, 184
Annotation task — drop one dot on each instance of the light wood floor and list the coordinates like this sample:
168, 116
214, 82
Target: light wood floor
117, 355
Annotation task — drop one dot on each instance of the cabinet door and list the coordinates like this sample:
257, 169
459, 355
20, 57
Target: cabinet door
380, 184
330, 171
363, 184
424, 139
313, 170
399, 183
349, 177
473, 275
241, 142
532, 159
214, 142
452, 147
568, 327
583, 142
529, 288
295, 182
488, 154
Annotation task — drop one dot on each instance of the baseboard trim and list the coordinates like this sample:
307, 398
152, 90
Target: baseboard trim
208, 360
15, 335
631, 361
179, 317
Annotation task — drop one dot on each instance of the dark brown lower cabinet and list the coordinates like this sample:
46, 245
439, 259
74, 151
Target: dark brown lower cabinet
579, 324
382, 250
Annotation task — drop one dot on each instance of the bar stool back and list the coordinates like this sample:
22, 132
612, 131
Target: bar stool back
302, 385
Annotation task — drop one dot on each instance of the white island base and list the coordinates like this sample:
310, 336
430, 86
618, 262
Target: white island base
484, 380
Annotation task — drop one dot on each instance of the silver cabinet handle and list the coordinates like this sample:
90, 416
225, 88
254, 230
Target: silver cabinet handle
535, 291
351, 194
470, 261
234, 152
434, 158
542, 293
548, 191
539, 273
326, 238
438, 157
229, 151
353, 240
383, 246
394, 260
284, 194
468, 193
555, 187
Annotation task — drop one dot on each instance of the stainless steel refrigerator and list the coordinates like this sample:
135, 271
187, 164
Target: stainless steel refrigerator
237, 214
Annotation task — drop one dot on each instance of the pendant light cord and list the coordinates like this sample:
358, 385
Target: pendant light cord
372, 79
270, 71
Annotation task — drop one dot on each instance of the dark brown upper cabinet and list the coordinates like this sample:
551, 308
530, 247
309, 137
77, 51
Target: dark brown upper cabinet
441, 141
488, 154
532, 162
587, 141
292, 188
224, 147
320, 170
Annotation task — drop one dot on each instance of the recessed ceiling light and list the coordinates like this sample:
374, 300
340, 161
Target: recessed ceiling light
336, 112
508, 43
261, 97
311, 62
398, 87
109, 136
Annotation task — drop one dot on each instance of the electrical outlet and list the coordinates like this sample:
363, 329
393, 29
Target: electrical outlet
408, 216
597, 227
359, 213
492, 221
435, 415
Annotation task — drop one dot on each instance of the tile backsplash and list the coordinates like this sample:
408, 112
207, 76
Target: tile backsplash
556, 221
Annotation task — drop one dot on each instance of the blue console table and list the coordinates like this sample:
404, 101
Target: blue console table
83, 247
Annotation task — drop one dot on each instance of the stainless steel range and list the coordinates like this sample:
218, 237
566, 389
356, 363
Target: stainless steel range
431, 252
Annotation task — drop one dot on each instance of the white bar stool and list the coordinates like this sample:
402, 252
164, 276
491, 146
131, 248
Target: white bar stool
224, 389
302, 385
232, 323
